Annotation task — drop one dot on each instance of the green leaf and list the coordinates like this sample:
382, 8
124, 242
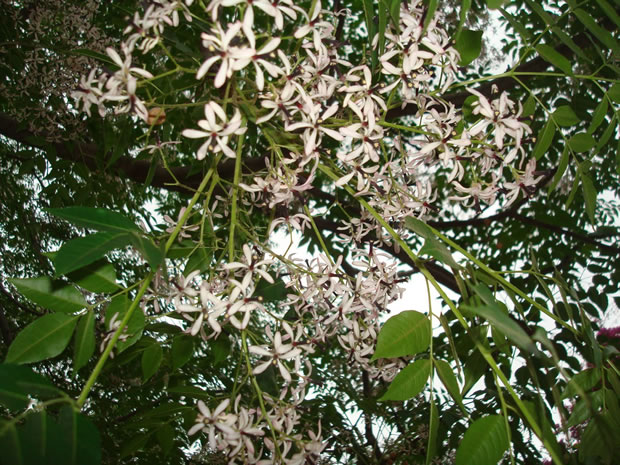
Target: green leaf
589, 195
430, 13
44, 338
597, 31
560, 171
9, 444
475, 367
614, 93
165, 437
598, 116
581, 142
555, 58
497, 316
529, 106
83, 251
584, 381
468, 44
193, 392
495, 4
433, 427
200, 259
565, 116
182, 350
609, 11
432, 246
465, 7
484, 442
84, 342
99, 277
544, 140
409, 382
119, 305
444, 370
52, 295
19, 384
95, 218
151, 253
407, 333
75, 440
151, 359
601, 438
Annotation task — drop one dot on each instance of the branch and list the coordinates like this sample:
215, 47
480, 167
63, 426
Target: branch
125, 166
535, 65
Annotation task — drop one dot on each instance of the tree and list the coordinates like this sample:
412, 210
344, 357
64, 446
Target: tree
156, 153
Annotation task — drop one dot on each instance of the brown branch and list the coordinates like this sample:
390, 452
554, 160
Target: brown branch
565, 232
442, 275
126, 167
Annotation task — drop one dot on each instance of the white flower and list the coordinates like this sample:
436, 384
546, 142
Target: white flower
219, 45
217, 129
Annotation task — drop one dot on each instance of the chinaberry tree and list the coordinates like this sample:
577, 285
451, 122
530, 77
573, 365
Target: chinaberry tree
209, 208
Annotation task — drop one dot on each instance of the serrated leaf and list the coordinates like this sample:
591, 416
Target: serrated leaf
51, 294
151, 359
84, 342
560, 171
409, 382
469, 45
182, 350
556, 59
581, 142
565, 116
95, 218
544, 139
44, 338
19, 384
407, 333
484, 442
83, 251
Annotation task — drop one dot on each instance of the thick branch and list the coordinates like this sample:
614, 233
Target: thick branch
125, 166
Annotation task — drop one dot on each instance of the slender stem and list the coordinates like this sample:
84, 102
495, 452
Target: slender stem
90, 382
259, 393
117, 334
233, 208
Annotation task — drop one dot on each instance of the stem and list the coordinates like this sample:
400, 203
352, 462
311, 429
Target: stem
233, 208
90, 382
259, 393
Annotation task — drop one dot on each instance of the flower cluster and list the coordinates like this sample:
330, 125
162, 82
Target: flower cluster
315, 111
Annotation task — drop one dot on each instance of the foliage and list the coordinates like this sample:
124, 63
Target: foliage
159, 156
